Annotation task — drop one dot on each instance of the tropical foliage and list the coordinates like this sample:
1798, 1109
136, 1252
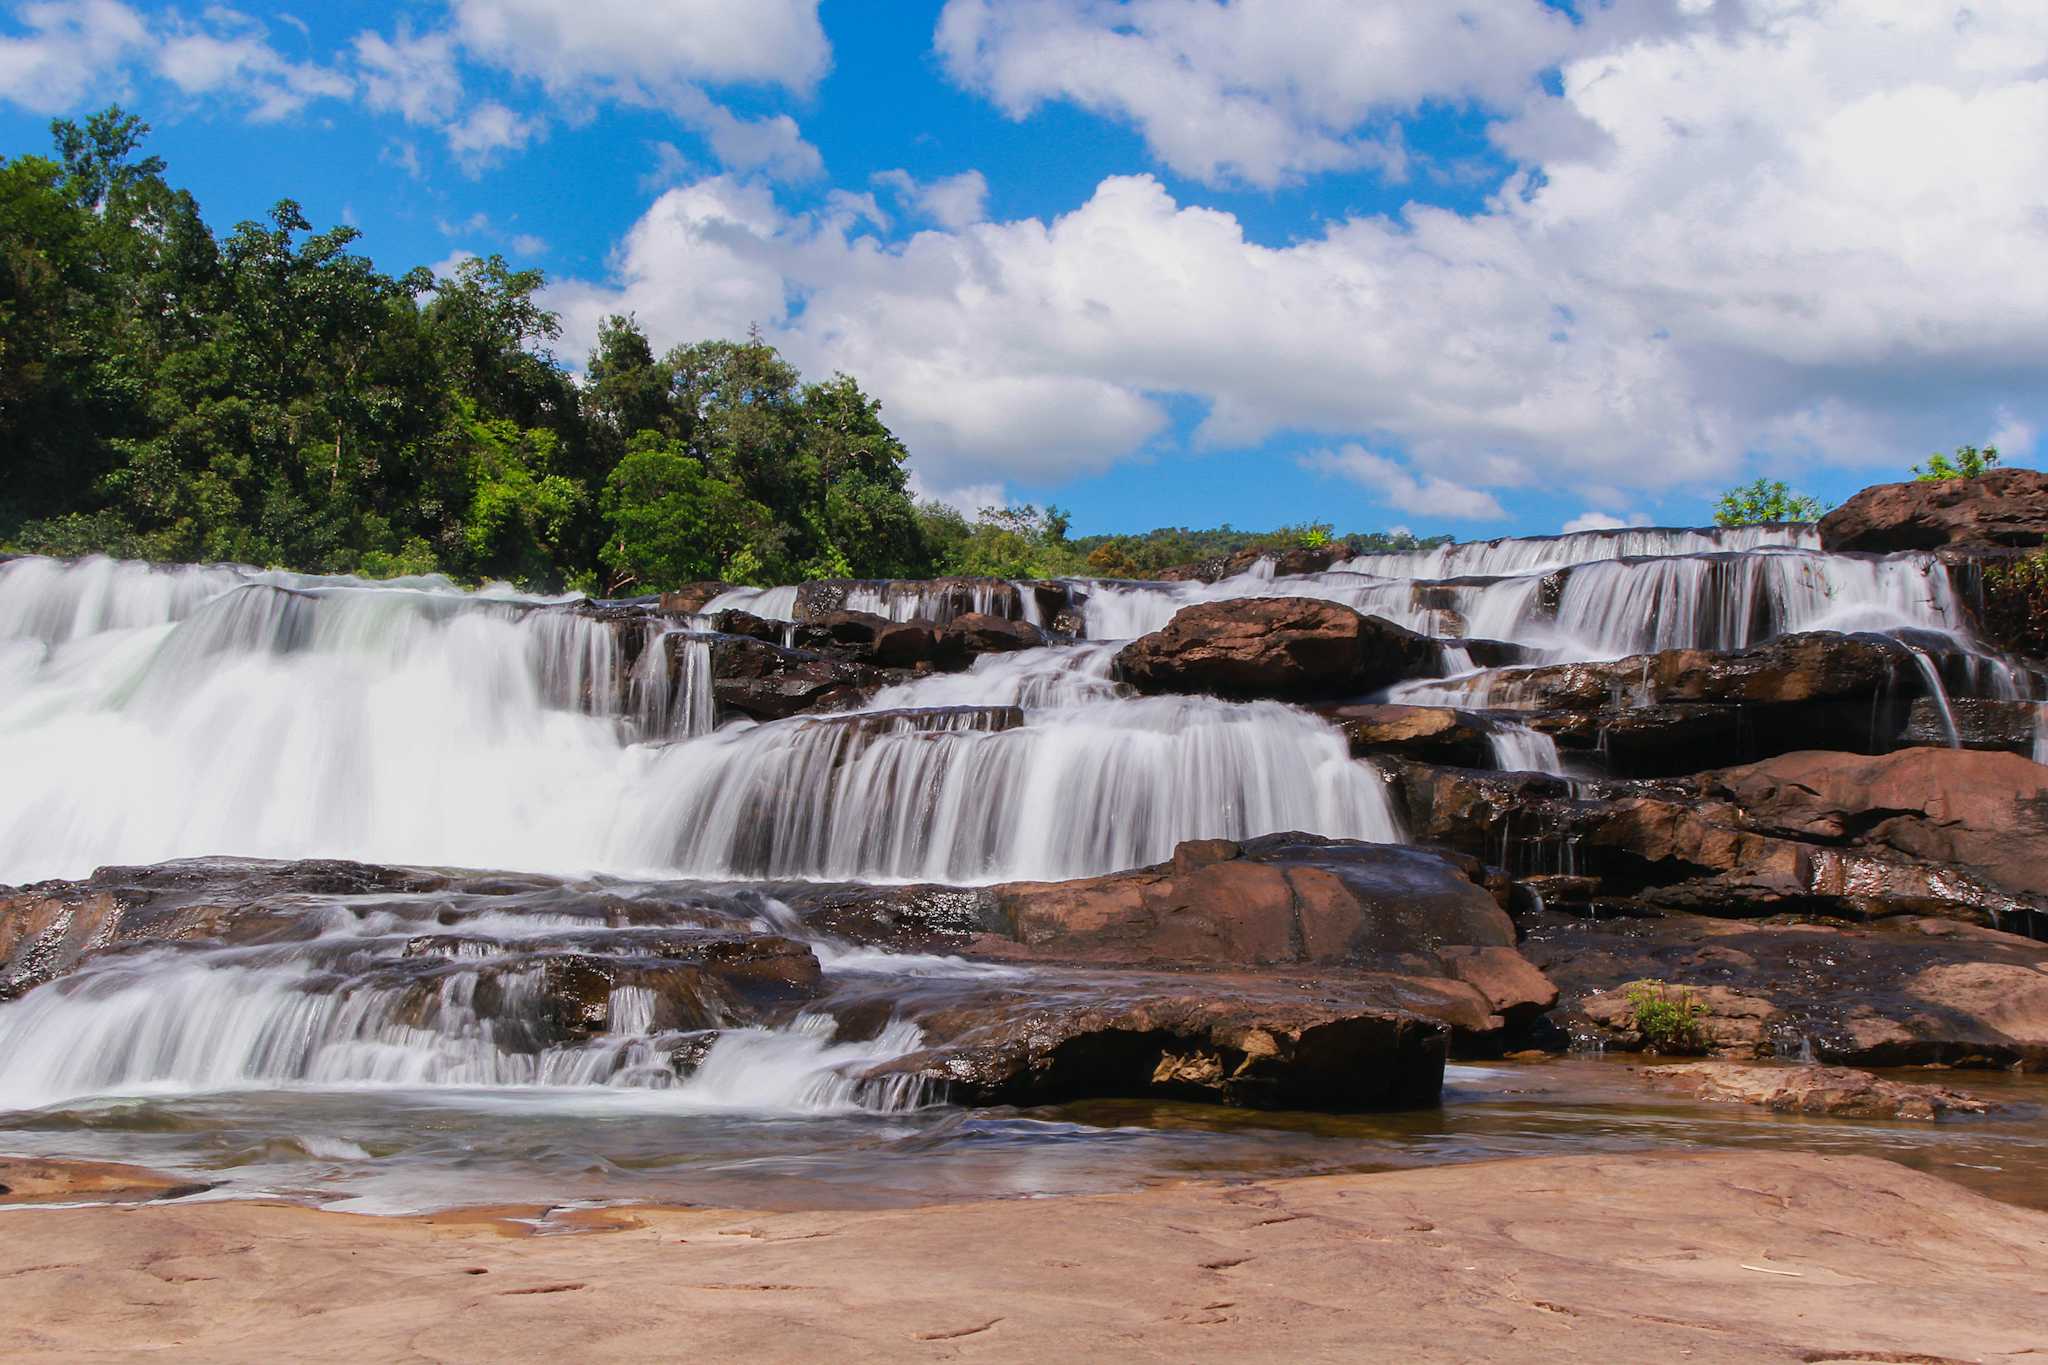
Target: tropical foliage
1765, 501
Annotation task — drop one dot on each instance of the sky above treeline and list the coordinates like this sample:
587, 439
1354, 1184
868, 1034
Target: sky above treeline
1472, 266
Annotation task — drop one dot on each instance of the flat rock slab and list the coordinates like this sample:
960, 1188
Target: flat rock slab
1838, 1091
1735, 1257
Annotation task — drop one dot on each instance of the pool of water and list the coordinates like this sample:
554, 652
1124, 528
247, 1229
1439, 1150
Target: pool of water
400, 1151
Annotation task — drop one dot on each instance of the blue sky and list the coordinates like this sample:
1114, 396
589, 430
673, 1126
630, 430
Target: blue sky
1488, 268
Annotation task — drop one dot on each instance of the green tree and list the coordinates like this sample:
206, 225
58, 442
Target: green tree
672, 521
1766, 500
1969, 462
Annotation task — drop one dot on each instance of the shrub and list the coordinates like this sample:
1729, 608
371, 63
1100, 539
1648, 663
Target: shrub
1667, 1018
1766, 500
1968, 463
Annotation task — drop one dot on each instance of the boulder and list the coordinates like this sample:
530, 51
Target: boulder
1913, 991
1291, 899
1302, 559
1291, 648
1437, 734
1301, 1044
2002, 507
765, 681
976, 633
1835, 1091
691, 598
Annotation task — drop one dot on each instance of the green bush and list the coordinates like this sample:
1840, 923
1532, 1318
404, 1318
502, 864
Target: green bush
1668, 1019
1766, 500
1968, 463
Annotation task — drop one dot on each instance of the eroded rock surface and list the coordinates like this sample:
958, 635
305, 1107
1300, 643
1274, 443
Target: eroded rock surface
1289, 648
1836, 1091
2002, 507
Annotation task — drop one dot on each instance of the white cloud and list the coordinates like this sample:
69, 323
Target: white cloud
652, 44
230, 54
967, 500
68, 49
1802, 228
1259, 91
2013, 438
1403, 489
411, 75
953, 202
1594, 520
487, 131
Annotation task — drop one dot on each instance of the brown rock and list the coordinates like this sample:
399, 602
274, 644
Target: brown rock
1438, 734
690, 598
1839, 1092
2003, 507
1294, 648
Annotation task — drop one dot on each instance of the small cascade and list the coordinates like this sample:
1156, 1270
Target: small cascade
1519, 749
770, 604
1936, 692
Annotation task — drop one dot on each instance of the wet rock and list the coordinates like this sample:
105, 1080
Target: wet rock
979, 633
868, 638
733, 621
936, 601
768, 682
1839, 1092
691, 598
1437, 734
1684, 710
1302, 559
1917, 832
1334, 1047
1293, 648
1910, 992
1280, 899
2003, 507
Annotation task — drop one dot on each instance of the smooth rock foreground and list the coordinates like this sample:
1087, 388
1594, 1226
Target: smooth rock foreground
1724, 1258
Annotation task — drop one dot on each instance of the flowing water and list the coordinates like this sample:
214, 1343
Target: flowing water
406, 1050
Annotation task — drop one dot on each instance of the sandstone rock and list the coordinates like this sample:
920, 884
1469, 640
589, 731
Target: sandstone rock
1436, 733
691, 598
1281, 899
2003, 507
1890, 996
1340, 1046
1980, 723
1839, 1092
1293, 648
1299, 560
979, 633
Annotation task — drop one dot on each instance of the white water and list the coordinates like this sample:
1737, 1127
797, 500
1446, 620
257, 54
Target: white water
149, 714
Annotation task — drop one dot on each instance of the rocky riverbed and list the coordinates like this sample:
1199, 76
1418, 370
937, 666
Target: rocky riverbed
849, 894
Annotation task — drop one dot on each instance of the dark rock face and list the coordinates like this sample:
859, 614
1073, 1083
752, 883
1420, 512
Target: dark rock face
1342, 1047
1437, 734
1918, 832
1299, 560
948, 647
1292, 648
1911, 992
1684, 710
2003, 507
767, 682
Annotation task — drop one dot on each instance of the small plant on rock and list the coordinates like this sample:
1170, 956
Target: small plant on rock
1668, 1018
1968, 463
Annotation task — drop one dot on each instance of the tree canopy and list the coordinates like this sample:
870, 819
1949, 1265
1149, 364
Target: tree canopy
269, 396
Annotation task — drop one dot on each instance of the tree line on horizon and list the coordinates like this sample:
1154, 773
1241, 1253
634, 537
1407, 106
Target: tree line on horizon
270, 397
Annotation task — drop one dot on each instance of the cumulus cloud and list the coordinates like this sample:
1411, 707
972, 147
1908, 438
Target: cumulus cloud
954, 201
1403, 489
65, 50
650, 44
1593, 519
1257, 91
1800, 229
74, 50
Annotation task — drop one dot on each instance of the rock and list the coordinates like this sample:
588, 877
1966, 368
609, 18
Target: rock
767, 682
732, 621
1911, 992
1917, 832
1987, 812
1281, 899
935, 601
867, 638
1438, 734
1839, 1092
1292, 648
1341, 1046
1683, 710
2007, 593
979, 633
1980, 723
691, 598
2002, 507
1301, 559
1512, 985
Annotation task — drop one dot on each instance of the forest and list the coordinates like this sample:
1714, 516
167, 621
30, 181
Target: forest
270, 397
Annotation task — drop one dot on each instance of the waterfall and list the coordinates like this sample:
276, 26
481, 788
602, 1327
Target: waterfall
232, 712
